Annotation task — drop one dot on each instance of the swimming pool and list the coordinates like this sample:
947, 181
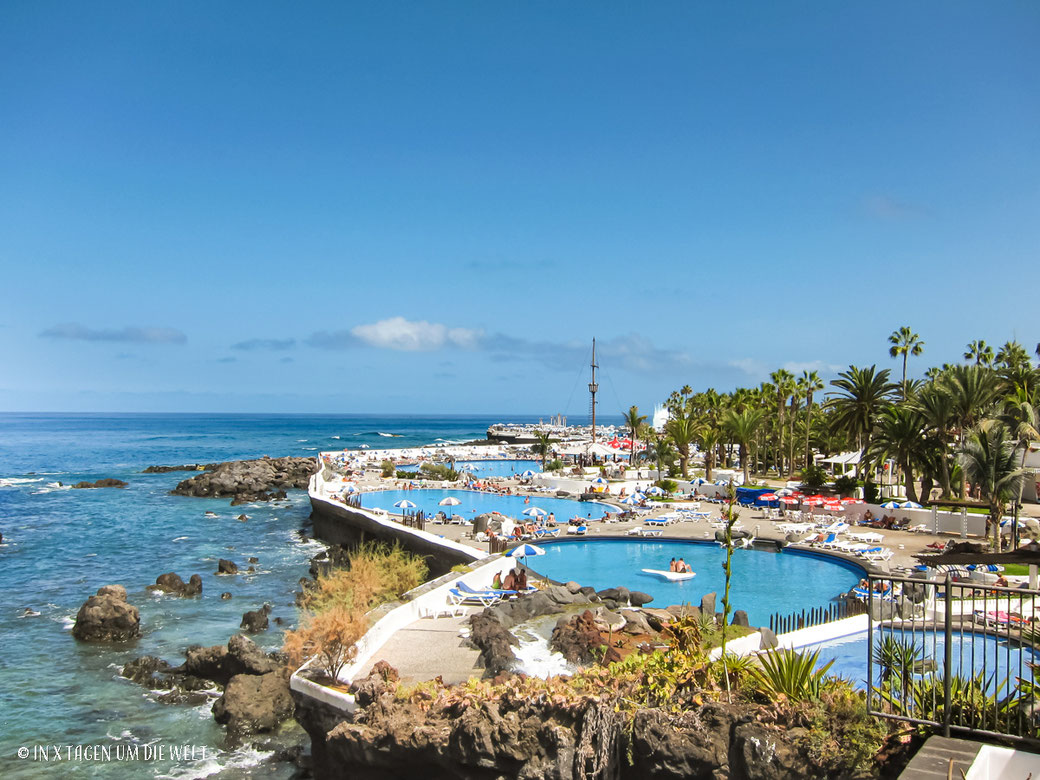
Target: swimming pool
972, 653
473, 502
502, 467
763, 582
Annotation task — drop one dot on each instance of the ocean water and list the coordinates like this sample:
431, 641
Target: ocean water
61, 545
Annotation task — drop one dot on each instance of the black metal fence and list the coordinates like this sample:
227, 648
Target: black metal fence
958, 656
780, 623
415, 519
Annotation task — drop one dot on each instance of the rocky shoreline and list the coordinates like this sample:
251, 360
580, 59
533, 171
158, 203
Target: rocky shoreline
263, 479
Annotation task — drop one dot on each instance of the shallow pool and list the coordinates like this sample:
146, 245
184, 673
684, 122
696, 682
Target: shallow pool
763, 582
502, 467
473, 502
972, 653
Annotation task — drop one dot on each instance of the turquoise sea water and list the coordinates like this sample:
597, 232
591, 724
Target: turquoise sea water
762, 583
473, 502
60, 545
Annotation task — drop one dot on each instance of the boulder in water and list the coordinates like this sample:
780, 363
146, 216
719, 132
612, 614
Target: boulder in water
254, 703
255, 620
107, 617
225, 566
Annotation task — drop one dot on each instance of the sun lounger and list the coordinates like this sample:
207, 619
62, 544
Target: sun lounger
659, 522
651, 532
541, 533
457, 597
877, 554
634, 531
577, 530
919, 529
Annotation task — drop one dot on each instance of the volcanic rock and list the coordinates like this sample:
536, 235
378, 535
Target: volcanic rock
255, 620
225, 566
494, 642
107, 617
580, 641
250, 480
172, 583
101, 483
254, 703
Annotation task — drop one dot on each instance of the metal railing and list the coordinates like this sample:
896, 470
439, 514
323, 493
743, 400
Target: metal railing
416, 520
958, 656
780, 623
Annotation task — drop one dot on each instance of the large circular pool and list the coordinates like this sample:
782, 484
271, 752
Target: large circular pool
763, 582
474, 502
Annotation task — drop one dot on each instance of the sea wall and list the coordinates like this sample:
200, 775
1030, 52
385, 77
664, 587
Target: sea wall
337, 523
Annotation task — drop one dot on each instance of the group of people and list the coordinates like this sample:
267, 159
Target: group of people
679, 567
516, 579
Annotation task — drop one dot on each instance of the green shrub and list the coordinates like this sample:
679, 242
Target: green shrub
440, 471
814, 477
870, 492
846, 485
791, 674
554, 465
388, 468
667, 485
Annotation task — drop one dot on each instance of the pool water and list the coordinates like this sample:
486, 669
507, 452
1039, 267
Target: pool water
489, 468
763, 582
972, 653
473, 502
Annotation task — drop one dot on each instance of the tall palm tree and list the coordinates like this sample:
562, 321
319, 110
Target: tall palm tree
899, 434
783, 384
634, 420
682, 430
1012, 355
810, 384
988, 460
980, 352
935, 405
861, 395
1021, 415
905, 342
742, 426
660, 450
709, 439
973, 390
542, 445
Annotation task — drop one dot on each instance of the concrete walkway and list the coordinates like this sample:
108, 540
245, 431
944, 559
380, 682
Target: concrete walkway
427, 648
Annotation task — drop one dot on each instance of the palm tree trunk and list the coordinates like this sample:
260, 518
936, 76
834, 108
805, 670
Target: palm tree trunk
908, 478
808, 427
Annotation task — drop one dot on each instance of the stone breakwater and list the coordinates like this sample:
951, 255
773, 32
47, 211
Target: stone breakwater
243, 481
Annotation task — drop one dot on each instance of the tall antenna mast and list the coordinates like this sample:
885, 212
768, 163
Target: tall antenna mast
593, 387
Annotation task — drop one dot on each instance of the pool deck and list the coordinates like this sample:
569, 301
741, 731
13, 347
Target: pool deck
429, 648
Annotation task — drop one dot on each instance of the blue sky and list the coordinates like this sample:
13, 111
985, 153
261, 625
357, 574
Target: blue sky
434, 207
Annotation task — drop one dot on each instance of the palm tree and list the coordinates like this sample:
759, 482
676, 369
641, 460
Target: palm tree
660, 450
905, 342
899, 434
783, 383
742, 427
682, 430
862, 394
710, 439
1012, 355
810, 384
1022, 417
980, 352
634, 420
542, 445
935, 405
988, 460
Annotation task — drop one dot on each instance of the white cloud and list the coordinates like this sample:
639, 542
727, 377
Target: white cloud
796, 367
414, 336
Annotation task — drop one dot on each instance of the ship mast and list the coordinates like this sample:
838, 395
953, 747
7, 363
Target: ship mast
593, 387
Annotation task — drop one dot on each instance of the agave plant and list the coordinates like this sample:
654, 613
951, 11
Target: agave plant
790, 673
900, 660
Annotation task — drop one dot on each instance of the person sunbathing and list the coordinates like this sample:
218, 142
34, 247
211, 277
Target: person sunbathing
672, 565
